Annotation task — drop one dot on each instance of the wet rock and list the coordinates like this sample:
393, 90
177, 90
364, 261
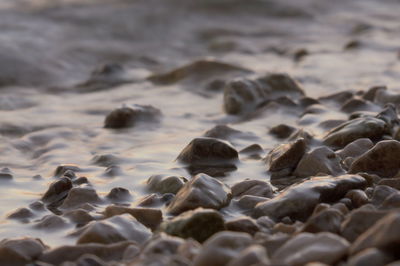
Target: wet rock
148, 216
249, 202
384, 96
242, 224
201, 191
246, 95
370, 256
381, 193
129, 116
115, 229
221, 248
354, 105
165, 184
252, 187
81, 180
325, 221
198, 224
226, 133
383, 160
300, 54
391, 202
384, 235
51, 222
202, 155
367, 127
106, 160
111, 252
57, 191
21, 214
78, 196
253, 255
162, 244
355, 148
357, 197
298, 201
321, 160
62, 169
253, 151
5, 174
371, 92
288, 229
89, 260
282, 131
391, 182
305, 247
359, 221
119, 194
113, 171
337, 97
155, 200
283, 159
79, 217
20, 251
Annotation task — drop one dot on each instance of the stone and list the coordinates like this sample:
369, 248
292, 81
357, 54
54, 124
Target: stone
111, 252
243, 224
321, 160
391, 182
165, 184
384, 235
63, 168
155, 200
79, 216
298, 201
119, 194
337, 97
354, 105
381, 193
246, 95
357, 197
355, 148
305, 247
221, 248
51, 222
359, 221
370, 256
6, 174
253, 151
21, 214
370, 93
57, 191
114, 229
391, 202
282, 131
283, 159
328, 220
162, 244
253, 255
198, 224
147, 216
20, 251
383, 160
90, 260
201, 191
106, 160
227, 133
209, 155
249, 202
253, 188
366, 127
78, 196
129, 116
384, 96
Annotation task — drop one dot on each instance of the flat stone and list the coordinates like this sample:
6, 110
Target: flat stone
201, 191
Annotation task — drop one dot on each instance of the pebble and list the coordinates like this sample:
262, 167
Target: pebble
253, 188
129, 116
20, 251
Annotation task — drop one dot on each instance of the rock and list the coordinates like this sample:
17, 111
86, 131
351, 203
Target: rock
381, 193
246, 95
359, 221
391, 182
391, 202
249, 202
252, 187
201, 191
208, 155
325, 221
253, 151
370, 256
300, 54
155, 200
226, 133
354, 105
21, 214
80, 181
89, 260
106, 160
78, 196
355, 148
271, 242
129, 116
253, 255
337, 97
367, 127
282, 131
370, 94
288, 229
79, 217
57, 191
162, 244
305, 247
383, 160
113, 171
221, 248
384, 235
165, 184
63, 168
119, 194
148, 216
111, 230
242, 224
20, 251
321, 160
384, 96
357, 197
5, 174
111, 252
51, 222
298, 201
283, 159
198, 224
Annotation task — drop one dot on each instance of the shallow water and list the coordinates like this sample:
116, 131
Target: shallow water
47, 47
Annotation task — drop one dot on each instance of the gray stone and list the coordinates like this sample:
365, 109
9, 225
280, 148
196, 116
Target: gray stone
165, 184
252, 187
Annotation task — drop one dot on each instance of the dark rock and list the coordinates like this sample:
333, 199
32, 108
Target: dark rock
78, 196
354, 105
61, 169
202, 155
383, 160
80, 181
282, 131
129, 116
51, 223
57, 191
283, 159
337, 97
358, 197
20, 251
253, 188
300, 54
119, 194
381, 193
249, 202
226, 133
79, 216
242, 224
253, 255
201, 191
106, 160
5, 174
391, 182
165, 184
325, 221
198, 224
148, 216
355, 148
370, 256
298, 201
21, 214
370, 94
